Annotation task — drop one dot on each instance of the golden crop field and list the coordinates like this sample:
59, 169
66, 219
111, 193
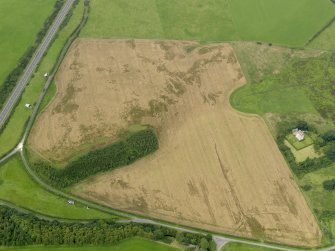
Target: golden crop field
216, 169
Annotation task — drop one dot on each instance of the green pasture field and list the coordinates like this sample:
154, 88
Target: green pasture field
284, 22
20, 20
326, 40
245, 247
17, 187
298, 145
269, 96
305, 85
14, 129
134, 244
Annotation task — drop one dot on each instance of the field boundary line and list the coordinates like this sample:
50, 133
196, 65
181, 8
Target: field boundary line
319, 32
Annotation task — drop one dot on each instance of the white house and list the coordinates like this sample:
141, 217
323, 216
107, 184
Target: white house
71, 202
28, 105
299, 134
46, 75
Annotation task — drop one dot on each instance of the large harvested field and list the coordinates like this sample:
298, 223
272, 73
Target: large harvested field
216, 168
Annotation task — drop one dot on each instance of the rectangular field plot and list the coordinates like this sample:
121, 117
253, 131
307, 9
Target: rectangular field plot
298, 145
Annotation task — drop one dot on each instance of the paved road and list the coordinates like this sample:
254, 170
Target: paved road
34, 62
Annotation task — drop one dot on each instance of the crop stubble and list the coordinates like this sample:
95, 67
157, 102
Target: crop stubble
216, 168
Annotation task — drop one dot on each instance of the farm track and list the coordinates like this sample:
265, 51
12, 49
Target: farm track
16, 94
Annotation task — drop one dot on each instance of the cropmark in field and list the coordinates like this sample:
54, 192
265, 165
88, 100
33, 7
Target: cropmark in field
216, 169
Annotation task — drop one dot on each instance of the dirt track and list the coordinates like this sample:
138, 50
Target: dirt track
216, 168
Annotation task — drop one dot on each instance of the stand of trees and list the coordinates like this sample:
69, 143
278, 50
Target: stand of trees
18, 229
123, 152
12, 78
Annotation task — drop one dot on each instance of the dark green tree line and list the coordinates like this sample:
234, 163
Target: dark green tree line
18, 229
123, 152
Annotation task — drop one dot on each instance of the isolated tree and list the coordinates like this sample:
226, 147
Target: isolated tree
204, 243
329, 184
212, 245
329, 136
158, 235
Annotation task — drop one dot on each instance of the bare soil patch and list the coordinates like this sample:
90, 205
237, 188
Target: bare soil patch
216, 168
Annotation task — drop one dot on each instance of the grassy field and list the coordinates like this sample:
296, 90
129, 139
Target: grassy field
17, 187
315, 180
243, 247
271, 97
20, 20
303, 154
303, 86
14, 129
321, 200
282, 22
134, 244
326, 40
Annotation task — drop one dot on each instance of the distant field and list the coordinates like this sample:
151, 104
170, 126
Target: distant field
11, 135
135, 244
282, 22
182, 89
17, 187
20, 20
244, 247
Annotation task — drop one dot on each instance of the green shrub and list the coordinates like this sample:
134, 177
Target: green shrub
330, 152
329, 184
123, 152
306, 187
329, 136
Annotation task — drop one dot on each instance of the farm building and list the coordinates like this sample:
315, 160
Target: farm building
299, 134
